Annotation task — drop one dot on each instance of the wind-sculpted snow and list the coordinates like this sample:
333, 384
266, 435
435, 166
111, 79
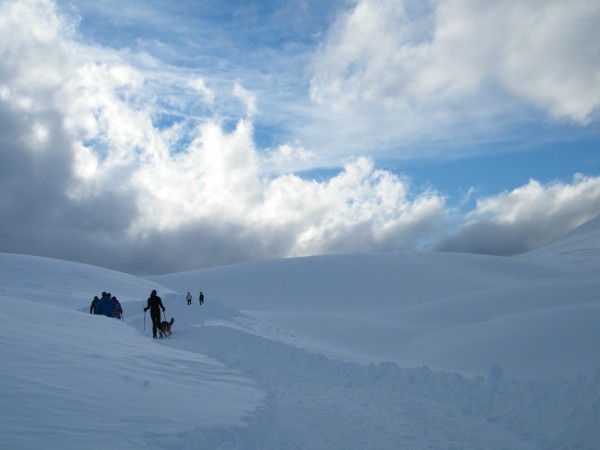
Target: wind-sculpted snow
348, 405
74, 381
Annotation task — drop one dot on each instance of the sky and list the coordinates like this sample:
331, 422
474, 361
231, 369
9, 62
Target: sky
152, 137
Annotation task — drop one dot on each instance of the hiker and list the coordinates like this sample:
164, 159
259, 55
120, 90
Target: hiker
93, 305
189, 298
201, 298
106, 306
118, 308
154, 305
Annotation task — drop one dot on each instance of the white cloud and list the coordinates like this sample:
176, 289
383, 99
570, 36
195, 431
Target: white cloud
207, 95
246, 97
464, 60
535, 202
527, 217
288, 158
361, 209
215, 179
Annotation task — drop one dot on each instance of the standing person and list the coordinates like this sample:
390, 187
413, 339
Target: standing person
93, 305
201, 298
189, 298
154, 305
119, 308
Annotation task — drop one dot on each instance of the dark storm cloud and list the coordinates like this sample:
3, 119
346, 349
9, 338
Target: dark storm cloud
199, 245
33, 175
38, 215
497, 239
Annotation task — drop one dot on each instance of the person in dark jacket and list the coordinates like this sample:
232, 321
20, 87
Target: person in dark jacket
93, 305
154, 305
201, 298
118, 308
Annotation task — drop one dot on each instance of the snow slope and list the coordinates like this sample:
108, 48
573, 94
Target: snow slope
445, 310
72, 380
579, 250
338, 352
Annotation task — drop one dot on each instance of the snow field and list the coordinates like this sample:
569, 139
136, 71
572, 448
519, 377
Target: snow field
394, 351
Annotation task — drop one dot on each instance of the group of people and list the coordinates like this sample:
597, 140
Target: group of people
107, 305
189, 298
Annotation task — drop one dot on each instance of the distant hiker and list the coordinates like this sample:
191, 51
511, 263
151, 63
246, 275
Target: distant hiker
154, 305
106, 306
201, 298
119, 308
189, 298
93, 305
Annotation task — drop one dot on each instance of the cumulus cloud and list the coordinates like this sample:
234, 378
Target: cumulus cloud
460, 63
88, 175
526, 218
288, 158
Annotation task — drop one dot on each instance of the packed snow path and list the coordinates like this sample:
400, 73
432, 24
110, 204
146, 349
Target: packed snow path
315, 402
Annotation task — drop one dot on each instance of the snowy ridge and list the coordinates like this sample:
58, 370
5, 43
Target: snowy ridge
579, 250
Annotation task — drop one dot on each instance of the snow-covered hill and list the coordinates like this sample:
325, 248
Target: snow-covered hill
579, 250
72, 380
394, 351
445, 310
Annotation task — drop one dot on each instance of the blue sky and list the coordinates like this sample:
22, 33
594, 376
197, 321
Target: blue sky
299, 128
268, 47
505, 171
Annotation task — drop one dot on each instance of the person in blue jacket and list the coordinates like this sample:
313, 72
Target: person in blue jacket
106, 306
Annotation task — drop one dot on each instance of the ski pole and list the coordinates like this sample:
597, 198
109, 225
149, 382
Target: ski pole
144, 320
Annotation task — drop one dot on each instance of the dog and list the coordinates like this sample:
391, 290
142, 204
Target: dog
164, 329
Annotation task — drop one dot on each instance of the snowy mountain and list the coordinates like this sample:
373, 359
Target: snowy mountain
578, 250
385, 351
